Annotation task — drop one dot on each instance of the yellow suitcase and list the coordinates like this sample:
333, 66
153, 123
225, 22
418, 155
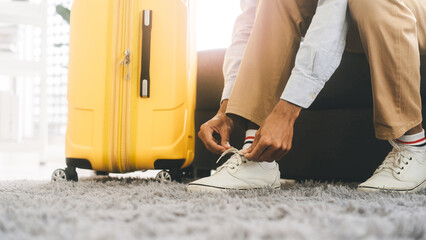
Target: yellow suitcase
131, 86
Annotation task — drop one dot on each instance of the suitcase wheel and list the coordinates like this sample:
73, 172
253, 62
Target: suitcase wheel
69, 174
163, 176
174, 174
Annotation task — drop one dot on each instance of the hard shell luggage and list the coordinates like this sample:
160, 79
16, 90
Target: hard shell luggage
131, 86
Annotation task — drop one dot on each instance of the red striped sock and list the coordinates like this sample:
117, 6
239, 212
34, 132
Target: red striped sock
249, 138
417, 139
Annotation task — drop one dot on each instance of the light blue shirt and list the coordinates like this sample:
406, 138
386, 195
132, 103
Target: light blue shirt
318, 57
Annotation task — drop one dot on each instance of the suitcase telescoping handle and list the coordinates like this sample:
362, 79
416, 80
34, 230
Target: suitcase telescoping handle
146, 53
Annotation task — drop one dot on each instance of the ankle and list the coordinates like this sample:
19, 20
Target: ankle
415, 130
417, 139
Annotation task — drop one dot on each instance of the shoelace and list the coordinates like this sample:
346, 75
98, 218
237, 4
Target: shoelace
395, 160
234, 161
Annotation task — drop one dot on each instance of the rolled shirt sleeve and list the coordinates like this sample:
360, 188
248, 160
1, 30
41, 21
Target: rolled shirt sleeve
320, 53
240, 36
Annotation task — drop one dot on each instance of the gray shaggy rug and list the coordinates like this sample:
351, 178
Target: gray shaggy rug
114, 208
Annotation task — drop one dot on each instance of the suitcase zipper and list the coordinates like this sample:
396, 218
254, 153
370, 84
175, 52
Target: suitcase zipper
125, 114
126, 63
119, 141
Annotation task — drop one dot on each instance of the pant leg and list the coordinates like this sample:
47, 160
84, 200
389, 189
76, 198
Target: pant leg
390, 34
269, 57
418, 9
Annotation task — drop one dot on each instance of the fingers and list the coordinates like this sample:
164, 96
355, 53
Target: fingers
265, 150
284, 148
224, 136
257, 150
219, 126
267, 155
206, 135
273, 139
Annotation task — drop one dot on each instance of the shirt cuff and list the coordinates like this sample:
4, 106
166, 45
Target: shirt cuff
227, 89
301, 90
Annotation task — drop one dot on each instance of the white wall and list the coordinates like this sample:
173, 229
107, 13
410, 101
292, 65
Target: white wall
215, 20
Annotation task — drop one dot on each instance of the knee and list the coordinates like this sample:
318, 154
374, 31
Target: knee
365, 11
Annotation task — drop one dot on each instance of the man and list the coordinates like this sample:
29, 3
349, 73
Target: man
391, 33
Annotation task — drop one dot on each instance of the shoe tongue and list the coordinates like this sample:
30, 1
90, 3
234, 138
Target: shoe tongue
417, 152
233, 160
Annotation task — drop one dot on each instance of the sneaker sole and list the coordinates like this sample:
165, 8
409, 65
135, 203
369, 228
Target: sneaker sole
419, 187
207, 188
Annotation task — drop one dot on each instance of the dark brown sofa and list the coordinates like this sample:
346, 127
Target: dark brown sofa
333, 139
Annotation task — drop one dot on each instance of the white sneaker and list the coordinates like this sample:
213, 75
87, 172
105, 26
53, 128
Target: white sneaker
238, 173
403, 170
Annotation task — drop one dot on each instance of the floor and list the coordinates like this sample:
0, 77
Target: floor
132, 206
128, 208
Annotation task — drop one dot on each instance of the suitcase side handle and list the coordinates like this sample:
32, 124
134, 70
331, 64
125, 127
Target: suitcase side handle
146, 54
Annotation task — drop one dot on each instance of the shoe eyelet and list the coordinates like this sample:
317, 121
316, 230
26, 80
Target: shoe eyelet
398, 173
410, 158
406, 163
402, 168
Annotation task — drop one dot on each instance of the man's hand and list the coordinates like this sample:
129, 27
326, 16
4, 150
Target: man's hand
273, 139
220, 124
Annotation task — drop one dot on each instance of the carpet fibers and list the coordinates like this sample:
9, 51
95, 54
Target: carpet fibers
113, 208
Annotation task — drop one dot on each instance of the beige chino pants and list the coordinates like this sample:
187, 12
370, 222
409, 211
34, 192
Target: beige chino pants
392, 33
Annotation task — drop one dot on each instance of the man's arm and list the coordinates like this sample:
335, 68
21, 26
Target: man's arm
320, 53
317, 59
221, 124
